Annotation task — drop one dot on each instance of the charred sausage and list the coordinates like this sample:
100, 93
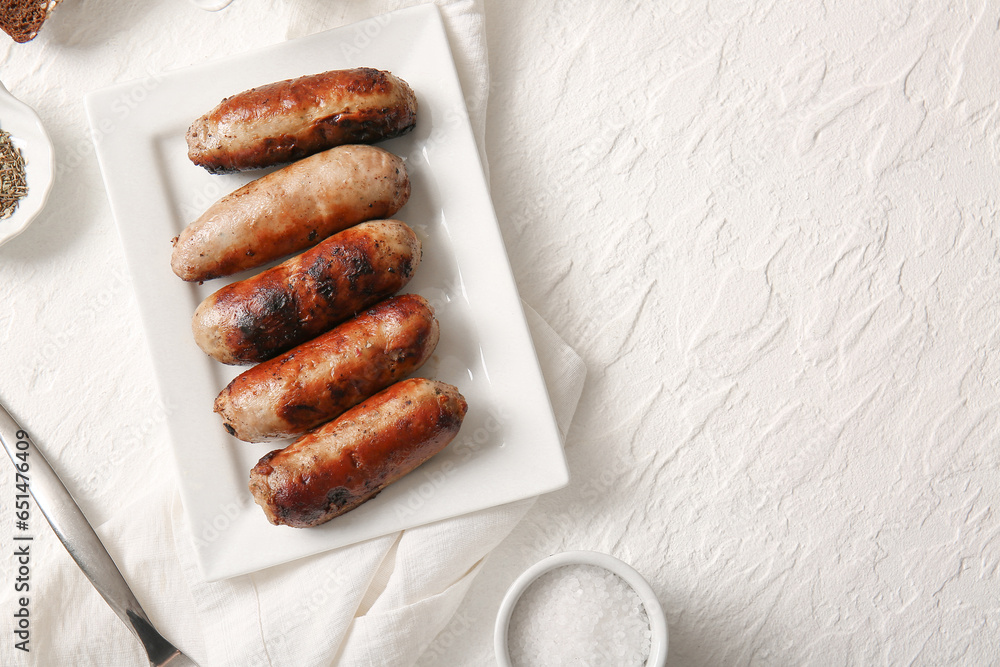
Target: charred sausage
260, 317
320, 379
350, 459
288, 120
290, 210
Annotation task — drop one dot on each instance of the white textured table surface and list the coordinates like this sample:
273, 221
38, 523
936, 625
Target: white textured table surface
770, 229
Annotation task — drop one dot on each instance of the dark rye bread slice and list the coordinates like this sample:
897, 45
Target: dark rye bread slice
22, 19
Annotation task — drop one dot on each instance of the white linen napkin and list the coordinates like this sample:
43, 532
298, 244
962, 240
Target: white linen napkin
380, 602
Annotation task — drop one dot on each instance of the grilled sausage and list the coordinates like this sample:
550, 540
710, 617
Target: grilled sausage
350, 459
318, 380
259, 318
288, 120
291, 209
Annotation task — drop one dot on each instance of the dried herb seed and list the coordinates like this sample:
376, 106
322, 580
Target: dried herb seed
13, 186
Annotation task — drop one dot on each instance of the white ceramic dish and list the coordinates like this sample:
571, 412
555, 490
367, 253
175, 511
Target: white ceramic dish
211, 5
657, 621
28, 135
509, 446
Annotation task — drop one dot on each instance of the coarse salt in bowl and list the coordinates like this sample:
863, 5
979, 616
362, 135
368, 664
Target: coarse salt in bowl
580, 608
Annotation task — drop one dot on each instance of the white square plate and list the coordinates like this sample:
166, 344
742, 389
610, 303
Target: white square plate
509, 446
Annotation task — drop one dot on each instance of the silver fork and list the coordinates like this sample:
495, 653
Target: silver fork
82, 543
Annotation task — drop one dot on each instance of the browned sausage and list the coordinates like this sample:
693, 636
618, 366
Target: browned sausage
347, 461
288, 120
318, 380
291, 209
259, 318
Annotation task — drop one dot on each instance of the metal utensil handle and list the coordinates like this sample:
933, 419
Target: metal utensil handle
77, 535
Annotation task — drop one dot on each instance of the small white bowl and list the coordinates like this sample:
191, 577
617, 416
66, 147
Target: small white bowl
27, 134
657, 621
